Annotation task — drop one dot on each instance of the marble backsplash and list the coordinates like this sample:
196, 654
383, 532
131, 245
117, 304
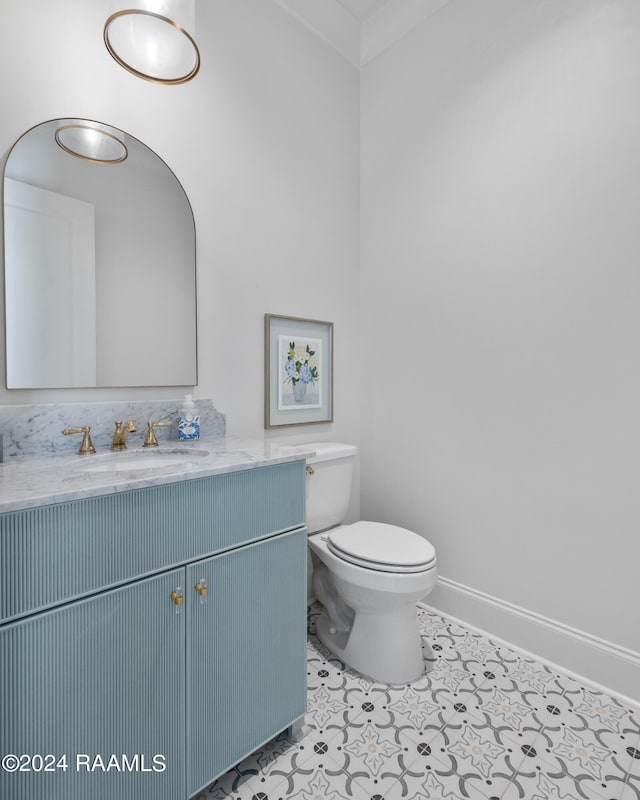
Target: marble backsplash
37, 429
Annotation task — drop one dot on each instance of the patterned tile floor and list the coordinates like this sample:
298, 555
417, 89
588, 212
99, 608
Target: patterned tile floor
483, 722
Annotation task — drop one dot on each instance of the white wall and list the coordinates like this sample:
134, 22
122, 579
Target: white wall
496, 372
265, 142
500, 286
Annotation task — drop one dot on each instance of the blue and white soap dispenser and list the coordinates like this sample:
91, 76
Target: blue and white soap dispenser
189, 419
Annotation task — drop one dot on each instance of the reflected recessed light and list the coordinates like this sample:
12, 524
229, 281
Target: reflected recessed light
152, 41
91, 144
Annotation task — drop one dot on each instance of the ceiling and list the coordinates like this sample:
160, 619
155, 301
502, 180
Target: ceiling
360, 30
362, 9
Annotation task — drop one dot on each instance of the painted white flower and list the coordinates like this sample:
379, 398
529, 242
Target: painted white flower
414, 708
533, 675
597, 707
318, 788
479, 751
588, 755
296, 375
372, 749
509, 709
322, 707
547, 790
452, 677
434, 790
431, 624
474, 647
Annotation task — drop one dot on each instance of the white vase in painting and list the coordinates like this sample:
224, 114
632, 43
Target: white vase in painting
299, 391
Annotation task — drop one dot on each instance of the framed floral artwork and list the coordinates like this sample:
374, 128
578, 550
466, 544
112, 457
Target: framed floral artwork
298, 364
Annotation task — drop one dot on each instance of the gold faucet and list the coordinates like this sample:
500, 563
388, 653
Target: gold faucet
120, 434
86, 448
150, 439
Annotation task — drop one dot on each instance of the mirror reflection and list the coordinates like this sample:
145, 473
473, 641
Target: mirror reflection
100, 277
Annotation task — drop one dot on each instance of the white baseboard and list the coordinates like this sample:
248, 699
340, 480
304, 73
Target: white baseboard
589, 659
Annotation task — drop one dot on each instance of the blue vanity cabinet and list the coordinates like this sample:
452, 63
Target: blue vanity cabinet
93, 679
246, 652
152, 638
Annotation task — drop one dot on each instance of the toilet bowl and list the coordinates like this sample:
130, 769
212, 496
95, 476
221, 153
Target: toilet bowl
368, 576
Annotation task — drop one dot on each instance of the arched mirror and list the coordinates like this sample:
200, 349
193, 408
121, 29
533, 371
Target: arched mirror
99, 257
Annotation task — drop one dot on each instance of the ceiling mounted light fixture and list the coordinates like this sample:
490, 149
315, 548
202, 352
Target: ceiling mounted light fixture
95, 144
153, 39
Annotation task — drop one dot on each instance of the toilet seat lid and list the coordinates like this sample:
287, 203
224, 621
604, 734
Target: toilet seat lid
376, 545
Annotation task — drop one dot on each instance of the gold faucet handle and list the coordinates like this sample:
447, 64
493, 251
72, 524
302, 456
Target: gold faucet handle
86, 448
150, 439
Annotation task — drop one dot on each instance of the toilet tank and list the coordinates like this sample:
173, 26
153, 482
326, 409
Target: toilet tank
329, 475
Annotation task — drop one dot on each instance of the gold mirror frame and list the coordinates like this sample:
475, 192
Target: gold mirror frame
37, 160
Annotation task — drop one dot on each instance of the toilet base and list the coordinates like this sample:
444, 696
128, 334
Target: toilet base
384, 647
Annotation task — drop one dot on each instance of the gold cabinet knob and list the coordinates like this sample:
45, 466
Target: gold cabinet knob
178, 599
201, 588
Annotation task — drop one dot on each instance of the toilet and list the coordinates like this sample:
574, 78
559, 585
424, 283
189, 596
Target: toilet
368, 576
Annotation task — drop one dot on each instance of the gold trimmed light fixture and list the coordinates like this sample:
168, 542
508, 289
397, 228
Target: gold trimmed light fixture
153, 39
95, 143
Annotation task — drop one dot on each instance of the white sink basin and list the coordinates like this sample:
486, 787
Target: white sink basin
139, 460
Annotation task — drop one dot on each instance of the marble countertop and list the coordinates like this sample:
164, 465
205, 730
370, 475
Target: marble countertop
38, 480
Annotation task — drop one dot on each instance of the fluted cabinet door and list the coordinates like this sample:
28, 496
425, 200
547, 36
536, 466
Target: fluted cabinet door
246, 653
97, 682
